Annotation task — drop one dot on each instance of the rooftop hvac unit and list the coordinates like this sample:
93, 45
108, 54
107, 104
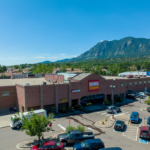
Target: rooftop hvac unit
43, 83
27, 84
49, 80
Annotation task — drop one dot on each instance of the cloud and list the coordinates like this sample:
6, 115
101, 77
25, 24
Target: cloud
101, 40
52, 57
14, 58
74, 55
39, 57
80, 48
62, 54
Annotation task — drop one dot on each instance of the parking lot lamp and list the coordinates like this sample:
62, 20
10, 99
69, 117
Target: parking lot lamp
112, 86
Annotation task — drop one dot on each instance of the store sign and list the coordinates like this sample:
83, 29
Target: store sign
40, 114
63, 100
73, 91
94, 85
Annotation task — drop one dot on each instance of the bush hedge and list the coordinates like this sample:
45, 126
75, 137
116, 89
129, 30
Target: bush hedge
79, 127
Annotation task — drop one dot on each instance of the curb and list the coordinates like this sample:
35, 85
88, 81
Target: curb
4, 127
105, 127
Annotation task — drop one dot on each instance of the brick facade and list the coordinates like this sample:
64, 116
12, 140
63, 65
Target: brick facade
44, 96
7, 101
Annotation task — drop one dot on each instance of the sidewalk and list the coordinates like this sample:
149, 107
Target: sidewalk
5, 120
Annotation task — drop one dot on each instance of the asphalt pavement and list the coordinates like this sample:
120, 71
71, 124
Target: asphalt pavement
127, 140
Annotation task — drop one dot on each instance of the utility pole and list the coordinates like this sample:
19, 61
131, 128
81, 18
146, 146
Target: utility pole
112, 86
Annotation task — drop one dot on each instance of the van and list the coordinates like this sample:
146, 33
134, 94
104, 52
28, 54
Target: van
17, 123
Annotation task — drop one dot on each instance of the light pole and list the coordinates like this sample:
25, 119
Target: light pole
112, 86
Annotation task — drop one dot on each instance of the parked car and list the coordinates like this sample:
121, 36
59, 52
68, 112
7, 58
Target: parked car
111, 109
147, 93
131, 96
74, 137
112, 148
50, 145
148, 109
92, 144
83, 102
148, 122
141, 95
134, 117
119, 125
144, 132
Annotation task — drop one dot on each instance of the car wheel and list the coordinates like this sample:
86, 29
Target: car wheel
64, 143
18, 126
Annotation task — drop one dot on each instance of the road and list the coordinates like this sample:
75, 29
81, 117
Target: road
127, 140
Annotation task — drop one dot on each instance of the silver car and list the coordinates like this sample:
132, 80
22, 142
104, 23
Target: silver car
111, 109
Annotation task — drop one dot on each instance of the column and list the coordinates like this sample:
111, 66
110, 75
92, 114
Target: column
56, 100
69, 94
25, 102
41, 90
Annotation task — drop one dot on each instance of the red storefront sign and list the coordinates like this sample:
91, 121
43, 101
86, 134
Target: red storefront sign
94, 85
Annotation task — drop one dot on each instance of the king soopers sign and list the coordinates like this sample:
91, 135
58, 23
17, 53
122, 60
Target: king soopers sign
94, 85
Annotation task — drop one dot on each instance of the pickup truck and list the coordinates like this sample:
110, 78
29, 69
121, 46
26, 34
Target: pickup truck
74, 136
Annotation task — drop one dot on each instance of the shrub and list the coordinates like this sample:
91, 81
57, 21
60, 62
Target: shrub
70, 128
106, 102
147, 102
103, 122
81, 128
106, 119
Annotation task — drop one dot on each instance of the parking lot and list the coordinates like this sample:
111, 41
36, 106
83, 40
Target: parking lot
127, 139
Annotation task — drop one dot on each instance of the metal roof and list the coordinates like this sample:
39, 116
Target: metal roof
81, 76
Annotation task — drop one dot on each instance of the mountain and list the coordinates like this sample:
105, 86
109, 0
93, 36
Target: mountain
128, 46
45, 62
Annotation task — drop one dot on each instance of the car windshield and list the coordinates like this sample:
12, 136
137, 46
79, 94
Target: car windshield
133, 116
144, 131
83, 144
57, 143
41, 145
68, 134
118, 124
12, 119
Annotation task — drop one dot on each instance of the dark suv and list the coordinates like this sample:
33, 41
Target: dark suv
91, 144
131, 96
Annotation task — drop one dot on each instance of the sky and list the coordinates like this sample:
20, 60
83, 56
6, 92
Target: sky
33, 31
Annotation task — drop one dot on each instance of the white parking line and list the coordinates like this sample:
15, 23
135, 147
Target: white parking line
62, 127
121, 114
131, 133
108, 115
103, 113
91, 129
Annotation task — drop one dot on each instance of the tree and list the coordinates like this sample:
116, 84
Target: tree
133, 68
16, 66
35, 125
4, 68
20, 70
3, 75
72, 68
63, 68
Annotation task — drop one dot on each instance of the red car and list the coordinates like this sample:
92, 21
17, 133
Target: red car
50, 145
144, 132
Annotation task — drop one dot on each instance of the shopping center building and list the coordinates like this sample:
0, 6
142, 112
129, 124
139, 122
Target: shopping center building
36, 93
